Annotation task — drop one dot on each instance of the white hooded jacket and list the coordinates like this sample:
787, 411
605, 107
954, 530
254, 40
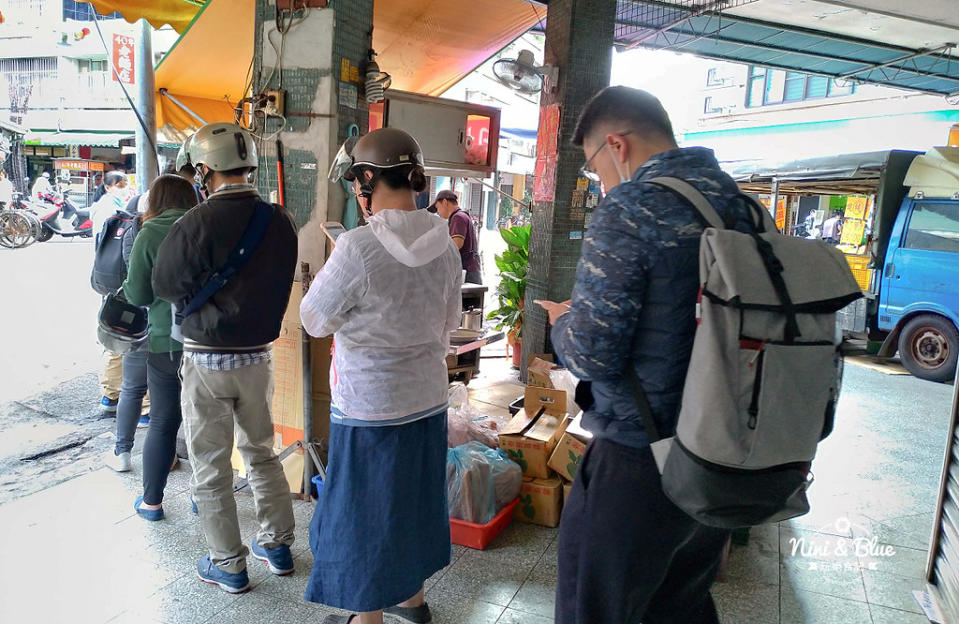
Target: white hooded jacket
390, 295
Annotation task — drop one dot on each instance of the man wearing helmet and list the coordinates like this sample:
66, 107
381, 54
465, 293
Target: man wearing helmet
227, 367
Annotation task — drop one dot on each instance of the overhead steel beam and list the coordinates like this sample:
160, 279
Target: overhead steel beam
693, 34
705, 8
915, 55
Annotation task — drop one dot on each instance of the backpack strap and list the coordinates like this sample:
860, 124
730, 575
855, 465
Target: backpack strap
692, 195
772, 264
254, 233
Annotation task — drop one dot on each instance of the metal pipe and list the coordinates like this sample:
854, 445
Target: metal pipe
774, 199
307, 396
165, 94
146, 134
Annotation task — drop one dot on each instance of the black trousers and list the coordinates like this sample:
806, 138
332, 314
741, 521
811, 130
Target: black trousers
163, 380
626, 553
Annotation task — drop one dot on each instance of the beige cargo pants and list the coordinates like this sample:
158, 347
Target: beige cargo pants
213, 402
111, 377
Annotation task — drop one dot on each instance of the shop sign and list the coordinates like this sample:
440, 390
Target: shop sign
123, 59
79, 165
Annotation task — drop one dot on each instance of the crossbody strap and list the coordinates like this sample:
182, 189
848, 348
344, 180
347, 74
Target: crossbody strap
252, 236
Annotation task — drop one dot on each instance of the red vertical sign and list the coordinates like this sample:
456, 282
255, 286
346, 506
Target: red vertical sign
123, 59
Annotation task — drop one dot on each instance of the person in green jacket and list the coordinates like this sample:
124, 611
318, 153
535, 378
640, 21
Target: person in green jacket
170, 198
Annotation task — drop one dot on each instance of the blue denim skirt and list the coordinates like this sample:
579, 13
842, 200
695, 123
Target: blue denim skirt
381, 525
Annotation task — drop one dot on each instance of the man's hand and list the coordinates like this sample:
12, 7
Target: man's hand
553, 309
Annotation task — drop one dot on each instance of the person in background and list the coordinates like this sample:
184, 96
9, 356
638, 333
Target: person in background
98, 189
170, 198
113, 200
227, 370
462, 233
390, 295
832, 229
112, 375
6, 190
42, 186
626, 552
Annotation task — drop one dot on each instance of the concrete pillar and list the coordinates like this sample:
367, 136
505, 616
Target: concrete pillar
579, 40
322, 63
146, 139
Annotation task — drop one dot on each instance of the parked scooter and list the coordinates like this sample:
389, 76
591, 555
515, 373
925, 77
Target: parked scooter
59, 215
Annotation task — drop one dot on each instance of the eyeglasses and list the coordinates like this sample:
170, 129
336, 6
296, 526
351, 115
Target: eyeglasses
588, 173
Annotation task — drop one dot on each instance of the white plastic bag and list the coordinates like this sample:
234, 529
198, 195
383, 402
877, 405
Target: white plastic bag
466, 423
480, 481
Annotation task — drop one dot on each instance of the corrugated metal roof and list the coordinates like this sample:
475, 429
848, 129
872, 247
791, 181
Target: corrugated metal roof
682, 27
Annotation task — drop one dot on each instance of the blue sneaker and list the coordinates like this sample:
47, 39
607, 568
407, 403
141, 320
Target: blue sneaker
109, 405
144, 422
232, 583
196, 511
150, 514
278, 559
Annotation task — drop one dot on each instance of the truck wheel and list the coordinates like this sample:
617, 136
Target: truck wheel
928, 348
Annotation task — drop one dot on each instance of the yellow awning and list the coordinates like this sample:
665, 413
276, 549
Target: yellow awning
426, 45
208, 68
176, 13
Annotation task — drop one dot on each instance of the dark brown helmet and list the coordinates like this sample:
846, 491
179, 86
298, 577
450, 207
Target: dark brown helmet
381, 149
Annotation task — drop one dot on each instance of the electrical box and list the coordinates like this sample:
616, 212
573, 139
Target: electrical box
458, 138
275, 102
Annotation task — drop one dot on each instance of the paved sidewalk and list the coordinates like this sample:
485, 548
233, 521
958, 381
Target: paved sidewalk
78, 553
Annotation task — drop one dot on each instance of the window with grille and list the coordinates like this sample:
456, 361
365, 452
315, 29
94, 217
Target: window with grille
766, 87
476, 199
83, 12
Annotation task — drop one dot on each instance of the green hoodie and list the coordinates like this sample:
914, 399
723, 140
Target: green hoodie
138, 287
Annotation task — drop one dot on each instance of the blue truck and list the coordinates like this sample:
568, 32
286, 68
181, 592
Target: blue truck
910, 251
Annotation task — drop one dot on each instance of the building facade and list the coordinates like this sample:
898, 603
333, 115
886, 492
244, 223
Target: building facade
56, 80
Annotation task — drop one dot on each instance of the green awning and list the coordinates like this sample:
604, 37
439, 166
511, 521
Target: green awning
89, 139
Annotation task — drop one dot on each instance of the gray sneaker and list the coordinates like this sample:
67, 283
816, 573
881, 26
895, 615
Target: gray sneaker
412, 615
120, 463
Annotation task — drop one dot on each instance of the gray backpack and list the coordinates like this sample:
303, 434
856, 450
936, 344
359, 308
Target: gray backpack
765, 372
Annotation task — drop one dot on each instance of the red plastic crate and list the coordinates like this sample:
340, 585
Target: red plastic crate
479, 536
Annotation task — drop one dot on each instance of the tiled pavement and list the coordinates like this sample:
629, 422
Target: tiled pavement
77, 553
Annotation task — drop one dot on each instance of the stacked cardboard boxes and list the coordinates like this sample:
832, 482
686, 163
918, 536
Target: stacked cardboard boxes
546, 442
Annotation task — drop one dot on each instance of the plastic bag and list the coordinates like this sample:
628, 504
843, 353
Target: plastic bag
466, 423
480, 481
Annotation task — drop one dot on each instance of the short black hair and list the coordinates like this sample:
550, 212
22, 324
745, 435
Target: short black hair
112, 178
638, 110
236, 172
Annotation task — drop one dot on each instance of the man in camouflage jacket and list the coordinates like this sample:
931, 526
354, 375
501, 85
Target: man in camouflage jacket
626, 553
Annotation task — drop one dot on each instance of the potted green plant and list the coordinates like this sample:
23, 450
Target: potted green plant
511, 291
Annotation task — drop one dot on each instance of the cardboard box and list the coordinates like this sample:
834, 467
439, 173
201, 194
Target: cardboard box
530, 437
287, 405
567, 488
540, 501
537, 372
288, 395
567, 454
292, 467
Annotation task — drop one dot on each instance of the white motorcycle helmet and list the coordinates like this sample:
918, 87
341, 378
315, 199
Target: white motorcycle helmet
183, 156
221, 147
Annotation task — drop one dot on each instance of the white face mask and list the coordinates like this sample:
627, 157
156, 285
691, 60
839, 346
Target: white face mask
622, 176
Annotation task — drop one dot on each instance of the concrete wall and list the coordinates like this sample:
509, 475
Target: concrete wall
319, 110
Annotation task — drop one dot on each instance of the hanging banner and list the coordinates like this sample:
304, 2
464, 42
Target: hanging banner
123, 59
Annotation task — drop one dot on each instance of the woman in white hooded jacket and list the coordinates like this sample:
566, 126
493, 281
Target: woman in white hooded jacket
390, 295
